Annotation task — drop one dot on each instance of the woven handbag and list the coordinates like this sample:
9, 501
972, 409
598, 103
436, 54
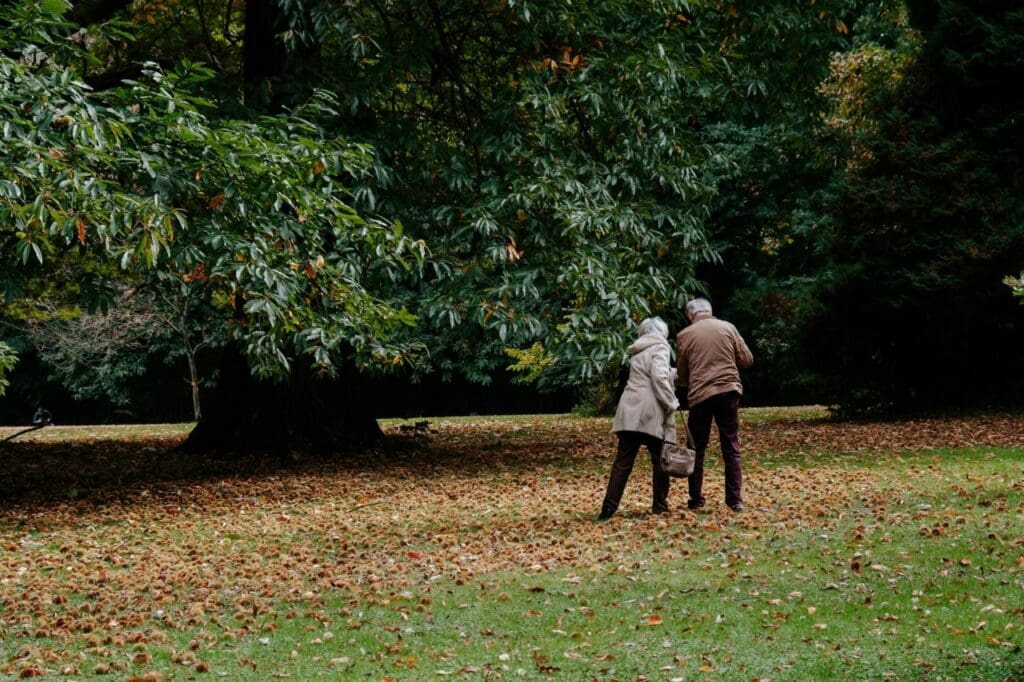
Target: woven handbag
677, 460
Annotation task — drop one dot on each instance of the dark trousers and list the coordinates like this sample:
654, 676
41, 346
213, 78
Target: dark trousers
724, 408
629, 446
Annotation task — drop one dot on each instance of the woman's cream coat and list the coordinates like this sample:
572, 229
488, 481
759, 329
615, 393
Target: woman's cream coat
648, 402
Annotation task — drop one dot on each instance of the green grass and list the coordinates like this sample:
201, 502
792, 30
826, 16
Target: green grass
905, 564
507, 419
142, 431
871, 597
797, 413
51, 434
759, 414
868, 599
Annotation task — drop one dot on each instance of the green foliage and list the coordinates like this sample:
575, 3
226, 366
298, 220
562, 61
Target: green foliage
8, 359
530, 363
555, 156
863, 246
770, 162
253, 214
559, 188
1017, 285
599, 397
924, 212
101, 355
841, 175
270, 232
94, 355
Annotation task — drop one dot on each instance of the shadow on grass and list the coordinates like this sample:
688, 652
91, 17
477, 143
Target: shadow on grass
90, 471
102, 472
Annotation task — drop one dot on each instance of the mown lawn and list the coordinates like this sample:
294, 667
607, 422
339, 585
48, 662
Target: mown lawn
868, 551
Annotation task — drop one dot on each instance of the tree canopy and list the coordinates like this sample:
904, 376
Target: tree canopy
422, 187
253, 216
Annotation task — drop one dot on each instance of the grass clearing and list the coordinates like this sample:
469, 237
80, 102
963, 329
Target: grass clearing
869, 551
95, 433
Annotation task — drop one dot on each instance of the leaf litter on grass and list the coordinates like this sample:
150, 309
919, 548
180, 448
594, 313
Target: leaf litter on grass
110, 548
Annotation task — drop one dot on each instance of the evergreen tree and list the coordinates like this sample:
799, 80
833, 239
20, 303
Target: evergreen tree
923, 217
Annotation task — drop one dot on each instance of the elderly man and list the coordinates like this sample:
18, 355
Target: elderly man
709, 354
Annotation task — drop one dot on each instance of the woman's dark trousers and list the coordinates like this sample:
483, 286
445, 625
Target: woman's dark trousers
724, 408
629, 446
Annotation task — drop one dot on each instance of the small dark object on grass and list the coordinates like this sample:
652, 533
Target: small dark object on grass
41, 418
418, 428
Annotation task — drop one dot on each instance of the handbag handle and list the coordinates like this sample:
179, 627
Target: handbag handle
689, 437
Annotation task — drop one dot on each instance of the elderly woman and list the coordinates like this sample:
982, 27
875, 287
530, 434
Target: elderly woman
645, 412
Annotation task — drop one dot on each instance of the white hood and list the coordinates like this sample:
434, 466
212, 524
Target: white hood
645, 342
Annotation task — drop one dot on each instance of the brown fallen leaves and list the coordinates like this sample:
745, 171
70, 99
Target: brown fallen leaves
769, 438
106, 546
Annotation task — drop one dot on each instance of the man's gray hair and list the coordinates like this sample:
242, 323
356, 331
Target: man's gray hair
653, 325
697, 305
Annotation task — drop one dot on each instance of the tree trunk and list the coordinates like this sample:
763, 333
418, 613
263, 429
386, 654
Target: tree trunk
305, 414
193, 376
263, 55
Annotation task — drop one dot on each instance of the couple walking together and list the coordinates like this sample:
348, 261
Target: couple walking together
709, 353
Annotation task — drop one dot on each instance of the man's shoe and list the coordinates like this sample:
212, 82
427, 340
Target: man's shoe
737, 508
694, 505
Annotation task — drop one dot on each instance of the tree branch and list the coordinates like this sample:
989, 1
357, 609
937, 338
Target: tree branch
207, 41
452, 66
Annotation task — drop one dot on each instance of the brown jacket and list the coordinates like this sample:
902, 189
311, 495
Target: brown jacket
709, 353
